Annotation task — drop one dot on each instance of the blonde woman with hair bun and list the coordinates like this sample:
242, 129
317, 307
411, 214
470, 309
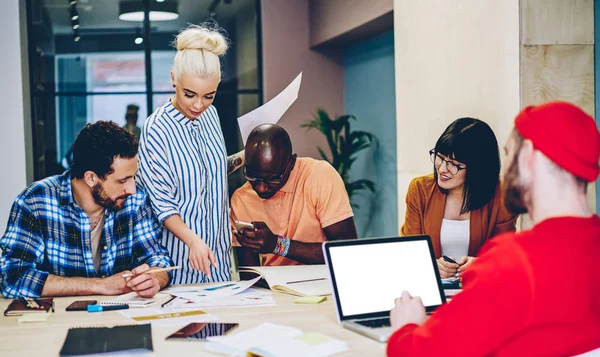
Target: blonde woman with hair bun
183, 162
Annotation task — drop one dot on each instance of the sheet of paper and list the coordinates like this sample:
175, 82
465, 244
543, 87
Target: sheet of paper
165, 317
272, 111
250, 297
134, 300
275, 340
205, 292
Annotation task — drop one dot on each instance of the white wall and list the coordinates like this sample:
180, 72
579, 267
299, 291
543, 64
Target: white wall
452, 59
13, 87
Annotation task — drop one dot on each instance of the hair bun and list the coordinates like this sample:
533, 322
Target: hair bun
201, 38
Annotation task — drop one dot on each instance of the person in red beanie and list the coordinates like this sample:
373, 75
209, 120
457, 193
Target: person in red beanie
536, 292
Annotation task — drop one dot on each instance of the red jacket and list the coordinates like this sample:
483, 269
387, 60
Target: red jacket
534, 293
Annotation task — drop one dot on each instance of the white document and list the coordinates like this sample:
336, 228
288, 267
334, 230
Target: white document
250, 297
205, 292
271, 340
272, 111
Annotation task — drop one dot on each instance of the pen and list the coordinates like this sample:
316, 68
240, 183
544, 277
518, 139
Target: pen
449, 260
100, 308
168, 302
24, 302
304, 281
153, 270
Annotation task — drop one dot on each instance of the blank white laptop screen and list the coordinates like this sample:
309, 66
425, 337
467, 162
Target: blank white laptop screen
369, 277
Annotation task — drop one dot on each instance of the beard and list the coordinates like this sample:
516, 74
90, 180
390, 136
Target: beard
102, 199
513, 192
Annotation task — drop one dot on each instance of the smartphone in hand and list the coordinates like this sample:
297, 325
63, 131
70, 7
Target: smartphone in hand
241, 225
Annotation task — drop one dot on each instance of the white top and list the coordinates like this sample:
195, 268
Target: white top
454, 238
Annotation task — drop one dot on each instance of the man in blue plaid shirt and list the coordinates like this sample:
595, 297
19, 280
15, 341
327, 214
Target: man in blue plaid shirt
78, 233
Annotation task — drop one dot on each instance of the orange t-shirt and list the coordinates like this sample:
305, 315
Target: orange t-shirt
313, 198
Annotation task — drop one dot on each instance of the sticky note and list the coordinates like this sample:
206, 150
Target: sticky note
34, 317
310, 299
312, 338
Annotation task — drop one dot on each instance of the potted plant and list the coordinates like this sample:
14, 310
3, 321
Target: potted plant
344, 145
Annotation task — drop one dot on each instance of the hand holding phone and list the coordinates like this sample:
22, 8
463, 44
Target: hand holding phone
239, 225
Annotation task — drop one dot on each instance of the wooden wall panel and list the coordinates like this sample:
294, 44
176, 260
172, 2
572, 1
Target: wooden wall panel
547, 22
558, 72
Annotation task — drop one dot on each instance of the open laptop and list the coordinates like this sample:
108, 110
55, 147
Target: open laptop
369, 274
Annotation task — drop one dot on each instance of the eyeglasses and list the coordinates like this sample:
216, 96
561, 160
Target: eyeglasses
437, 161
276, 180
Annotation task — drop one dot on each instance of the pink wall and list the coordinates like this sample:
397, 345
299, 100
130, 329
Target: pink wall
286, 52
331, 19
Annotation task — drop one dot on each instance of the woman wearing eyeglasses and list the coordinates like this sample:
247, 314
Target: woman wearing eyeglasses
459, 205
183, 162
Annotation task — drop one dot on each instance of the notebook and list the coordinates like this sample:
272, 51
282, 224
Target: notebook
134, 300
18, 308
88, 340
299, 280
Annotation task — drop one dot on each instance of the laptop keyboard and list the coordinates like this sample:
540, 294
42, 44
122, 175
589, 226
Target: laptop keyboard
380, 322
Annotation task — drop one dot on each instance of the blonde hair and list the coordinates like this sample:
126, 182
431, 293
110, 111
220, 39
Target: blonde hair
198, 51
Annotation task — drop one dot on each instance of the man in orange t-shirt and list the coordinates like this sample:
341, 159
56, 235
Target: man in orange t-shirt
294, 204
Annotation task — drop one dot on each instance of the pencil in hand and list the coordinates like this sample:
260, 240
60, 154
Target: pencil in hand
153, 270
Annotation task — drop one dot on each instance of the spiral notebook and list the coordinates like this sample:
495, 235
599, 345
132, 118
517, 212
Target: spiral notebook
134, 300
89, 340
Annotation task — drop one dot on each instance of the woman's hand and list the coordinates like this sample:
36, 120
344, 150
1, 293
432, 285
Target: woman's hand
201, 257
447, 269
464, 263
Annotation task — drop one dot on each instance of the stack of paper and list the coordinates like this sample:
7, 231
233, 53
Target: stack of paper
269, 340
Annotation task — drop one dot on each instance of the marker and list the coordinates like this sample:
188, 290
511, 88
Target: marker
448, 259
100, 308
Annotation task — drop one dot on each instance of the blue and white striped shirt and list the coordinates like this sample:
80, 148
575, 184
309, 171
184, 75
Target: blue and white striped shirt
183, 165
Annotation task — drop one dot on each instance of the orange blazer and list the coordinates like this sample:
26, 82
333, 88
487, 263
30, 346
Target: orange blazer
425, 205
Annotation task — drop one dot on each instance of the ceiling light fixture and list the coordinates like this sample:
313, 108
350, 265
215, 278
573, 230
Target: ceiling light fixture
76, 36
138, 37
74, 15
75, 24
130, 10
72, 2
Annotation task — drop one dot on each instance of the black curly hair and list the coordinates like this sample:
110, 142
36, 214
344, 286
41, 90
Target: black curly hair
96, 147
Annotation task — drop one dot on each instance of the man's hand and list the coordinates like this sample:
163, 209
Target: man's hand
464, 263
145, 285
408, 310
259, 240
201, 257
447, 269
115, 284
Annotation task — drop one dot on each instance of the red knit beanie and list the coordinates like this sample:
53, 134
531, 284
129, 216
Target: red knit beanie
565, 134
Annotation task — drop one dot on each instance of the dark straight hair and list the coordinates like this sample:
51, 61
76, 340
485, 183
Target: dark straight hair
473, 143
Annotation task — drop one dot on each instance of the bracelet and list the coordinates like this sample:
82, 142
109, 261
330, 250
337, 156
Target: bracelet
282, 247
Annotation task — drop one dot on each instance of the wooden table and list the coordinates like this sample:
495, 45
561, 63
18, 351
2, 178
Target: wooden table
46, 338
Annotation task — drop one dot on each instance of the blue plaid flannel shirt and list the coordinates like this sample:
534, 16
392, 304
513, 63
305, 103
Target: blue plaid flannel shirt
48, 233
